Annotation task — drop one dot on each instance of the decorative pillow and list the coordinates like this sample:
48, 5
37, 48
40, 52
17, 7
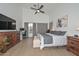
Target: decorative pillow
58, 32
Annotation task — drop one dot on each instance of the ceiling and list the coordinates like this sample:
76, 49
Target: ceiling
48, 7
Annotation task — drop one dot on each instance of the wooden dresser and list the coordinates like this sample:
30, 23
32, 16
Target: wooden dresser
73, 44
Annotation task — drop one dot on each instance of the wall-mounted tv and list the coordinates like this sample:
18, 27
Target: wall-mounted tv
7, 23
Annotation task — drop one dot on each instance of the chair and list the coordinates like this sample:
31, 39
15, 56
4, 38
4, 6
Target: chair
24, 34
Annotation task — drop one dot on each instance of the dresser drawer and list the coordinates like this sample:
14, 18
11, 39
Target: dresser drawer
70, 42
74, 42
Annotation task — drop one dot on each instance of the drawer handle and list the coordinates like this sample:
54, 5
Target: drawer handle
72, 43
72, 47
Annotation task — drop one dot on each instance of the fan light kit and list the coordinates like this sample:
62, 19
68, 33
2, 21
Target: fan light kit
37, 8
38, 11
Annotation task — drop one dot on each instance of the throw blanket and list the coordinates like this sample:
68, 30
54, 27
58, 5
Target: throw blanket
47, 39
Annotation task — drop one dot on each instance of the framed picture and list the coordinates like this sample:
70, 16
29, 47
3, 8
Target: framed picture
62, 22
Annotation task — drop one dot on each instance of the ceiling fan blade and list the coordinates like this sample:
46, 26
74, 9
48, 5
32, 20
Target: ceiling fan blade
34, 5
33, 8
41, 7
36, 12
42, 11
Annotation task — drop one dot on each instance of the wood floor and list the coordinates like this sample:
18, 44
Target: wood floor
24, 48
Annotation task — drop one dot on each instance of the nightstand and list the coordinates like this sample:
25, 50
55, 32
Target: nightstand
73, 44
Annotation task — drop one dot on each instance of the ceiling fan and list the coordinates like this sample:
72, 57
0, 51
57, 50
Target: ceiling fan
37, 8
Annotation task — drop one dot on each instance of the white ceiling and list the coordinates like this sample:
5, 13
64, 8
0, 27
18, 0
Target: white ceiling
48, 7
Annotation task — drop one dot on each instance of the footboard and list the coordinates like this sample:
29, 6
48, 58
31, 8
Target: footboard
45, 40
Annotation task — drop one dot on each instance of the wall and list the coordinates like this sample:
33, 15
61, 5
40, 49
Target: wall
72, 10
53, 12
28, 16
12, 10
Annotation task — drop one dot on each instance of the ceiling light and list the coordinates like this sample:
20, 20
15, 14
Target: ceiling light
38, 11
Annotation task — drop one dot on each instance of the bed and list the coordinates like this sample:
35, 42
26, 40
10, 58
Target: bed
57, 38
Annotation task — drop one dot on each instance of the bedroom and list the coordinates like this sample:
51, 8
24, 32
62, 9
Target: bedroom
23, 15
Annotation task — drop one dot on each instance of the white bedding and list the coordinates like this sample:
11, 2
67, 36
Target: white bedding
57, 41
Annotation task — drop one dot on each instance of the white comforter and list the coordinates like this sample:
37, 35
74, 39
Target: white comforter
58, 40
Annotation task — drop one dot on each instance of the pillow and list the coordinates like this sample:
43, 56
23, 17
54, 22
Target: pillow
58, 32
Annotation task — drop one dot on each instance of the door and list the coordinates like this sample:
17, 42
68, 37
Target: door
26, 28
34, 29
42, 27
30, 29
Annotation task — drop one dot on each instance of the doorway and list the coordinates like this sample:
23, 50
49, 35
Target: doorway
34, 28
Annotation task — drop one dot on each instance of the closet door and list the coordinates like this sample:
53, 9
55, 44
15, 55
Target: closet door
50, 25
26, 26
42, 27
34, 29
